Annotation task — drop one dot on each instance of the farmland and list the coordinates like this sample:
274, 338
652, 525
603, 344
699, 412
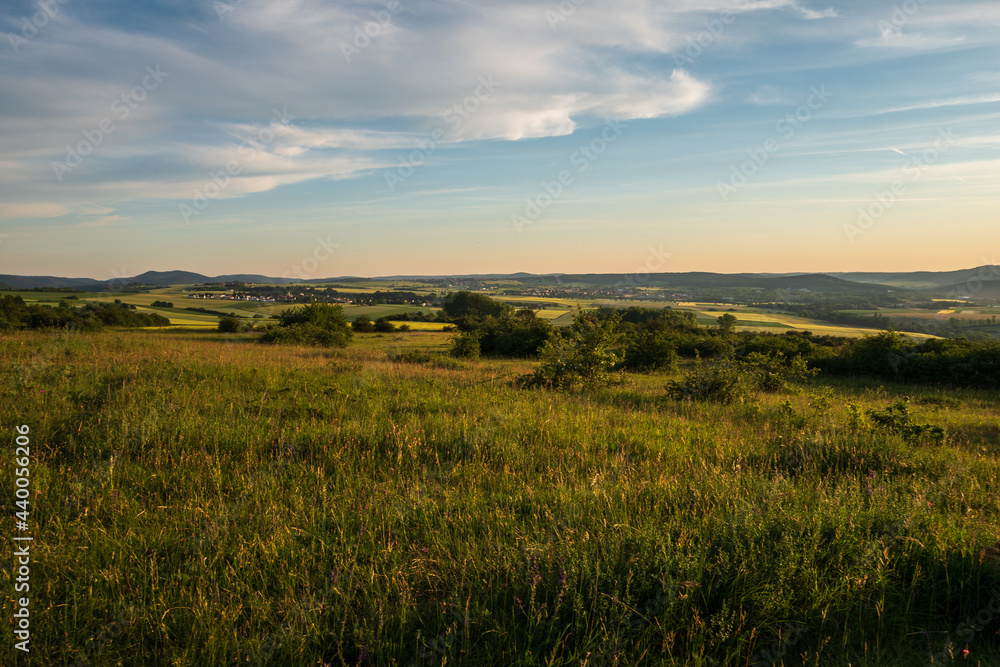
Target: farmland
558, 310
205, 500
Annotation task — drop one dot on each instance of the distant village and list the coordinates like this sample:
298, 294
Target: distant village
288, 297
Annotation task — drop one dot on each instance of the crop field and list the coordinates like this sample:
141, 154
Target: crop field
552, 313
421, 326
384, 310
569, 303
201, 499
556, 310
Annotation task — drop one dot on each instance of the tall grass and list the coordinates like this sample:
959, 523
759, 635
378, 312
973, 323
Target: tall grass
208, 501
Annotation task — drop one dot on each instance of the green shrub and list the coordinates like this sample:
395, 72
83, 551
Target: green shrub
771, 373
383, 325
412, 357
307, 334
321, 324
649, 350
896, 418
230, 324
583, 358
466, 345
722, 380
728, 379
362, 324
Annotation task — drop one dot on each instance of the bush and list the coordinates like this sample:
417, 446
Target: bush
728, 379
412, 357
718, 381
362, 324
383, 325
322, 315
650, 351
466, 345
771, 373
321, 324
701, 344
583, 358
306, 334
896, 419
470, 304
230, 324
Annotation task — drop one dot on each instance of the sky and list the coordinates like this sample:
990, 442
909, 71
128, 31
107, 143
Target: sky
312, 139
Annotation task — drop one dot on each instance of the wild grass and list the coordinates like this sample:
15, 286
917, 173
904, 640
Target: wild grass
205, 500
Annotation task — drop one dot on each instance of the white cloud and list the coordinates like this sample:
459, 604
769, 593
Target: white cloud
823, 14
422, 62
32, 210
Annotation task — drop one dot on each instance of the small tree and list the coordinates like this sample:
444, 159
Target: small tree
650, 351
362, 324
230, 324
383, 325
313, 324
466, 345
726, 323
582, 358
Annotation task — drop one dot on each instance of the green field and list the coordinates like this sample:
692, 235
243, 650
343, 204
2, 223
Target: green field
748, 319
200, 499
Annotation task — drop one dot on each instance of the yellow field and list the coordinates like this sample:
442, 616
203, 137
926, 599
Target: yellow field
572, 303
421, 326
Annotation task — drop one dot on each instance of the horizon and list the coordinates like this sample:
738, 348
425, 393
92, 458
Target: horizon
403, 276
382, 138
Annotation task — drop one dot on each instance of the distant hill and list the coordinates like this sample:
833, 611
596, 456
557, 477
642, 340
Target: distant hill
972, 289
814, 282
158, 278
28, 282
932, 282
924, 279
166, 278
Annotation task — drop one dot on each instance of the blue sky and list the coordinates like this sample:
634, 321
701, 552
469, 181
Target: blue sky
317, 139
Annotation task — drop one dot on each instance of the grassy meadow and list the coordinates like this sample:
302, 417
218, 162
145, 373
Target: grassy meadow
205, 500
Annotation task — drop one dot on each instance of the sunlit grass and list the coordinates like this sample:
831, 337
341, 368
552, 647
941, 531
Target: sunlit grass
207, 500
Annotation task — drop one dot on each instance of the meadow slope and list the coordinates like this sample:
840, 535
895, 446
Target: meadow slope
206, 500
